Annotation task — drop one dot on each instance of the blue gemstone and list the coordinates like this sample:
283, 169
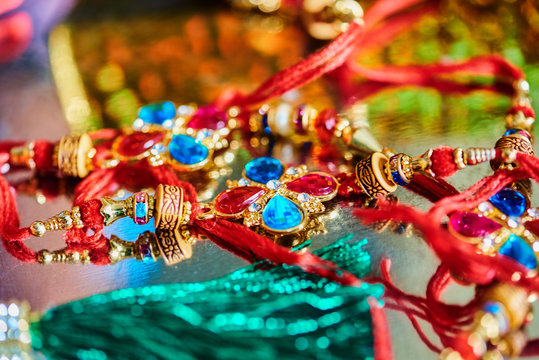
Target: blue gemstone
264, 169
140, 210
157, 113
265, 124
518, 249
398, 179
509, 201
511, 132
281, 214
187, 150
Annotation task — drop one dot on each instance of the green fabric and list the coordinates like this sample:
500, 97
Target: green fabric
280, 313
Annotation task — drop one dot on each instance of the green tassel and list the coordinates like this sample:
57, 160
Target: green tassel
250, 314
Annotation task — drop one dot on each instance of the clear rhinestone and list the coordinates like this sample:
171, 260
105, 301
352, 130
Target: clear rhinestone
533, 212
273, 184
512, 222
185, 110
487, 242
204, 133
168, 124
304, 197
535, 246
292, 171
485, 206
158, 149
243, 182
138, 124
254, 207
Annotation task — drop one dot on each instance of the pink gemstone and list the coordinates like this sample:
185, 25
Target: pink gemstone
208, 117
471, 224
138, 143
313, 184
233, 201
325, 124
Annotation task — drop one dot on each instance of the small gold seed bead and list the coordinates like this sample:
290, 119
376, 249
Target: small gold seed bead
44, 257
38, 228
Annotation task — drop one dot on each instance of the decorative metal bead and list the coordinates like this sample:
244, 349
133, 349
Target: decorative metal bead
38, 228
23, 155
139, 207
519, 121
326, 19
73, 155
44, 257
170, 220
371, 176
508, 145
63, 221
514, 300
400, 169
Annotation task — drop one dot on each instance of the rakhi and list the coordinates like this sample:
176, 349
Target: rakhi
492, 236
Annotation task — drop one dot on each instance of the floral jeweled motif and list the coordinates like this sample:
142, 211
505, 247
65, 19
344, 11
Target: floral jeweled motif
284, 205
184, 138
499, 226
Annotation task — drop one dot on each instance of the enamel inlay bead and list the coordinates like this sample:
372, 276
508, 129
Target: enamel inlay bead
138, 143
509, 201
264, 169
141, 208
472, 225
233, 201
187, 150
281, 214
157, 113
516, 248
313, 184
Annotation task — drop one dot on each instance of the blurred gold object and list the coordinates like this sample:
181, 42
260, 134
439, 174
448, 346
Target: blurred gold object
23, 155
73, 155
326, 19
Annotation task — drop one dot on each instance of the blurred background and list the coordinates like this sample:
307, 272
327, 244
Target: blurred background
73, 66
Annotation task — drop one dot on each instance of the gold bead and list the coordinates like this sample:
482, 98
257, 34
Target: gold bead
38, 228
513, 298
509, 145
44, 257
73, 155
169, 224
326, 19
371, 176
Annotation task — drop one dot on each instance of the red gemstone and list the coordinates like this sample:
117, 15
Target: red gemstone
471, 224
208, 117
313, 184
137, 143
233, 201
325, 124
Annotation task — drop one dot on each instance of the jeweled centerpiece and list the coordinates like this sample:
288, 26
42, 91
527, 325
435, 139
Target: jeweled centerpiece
277, 201
500, 226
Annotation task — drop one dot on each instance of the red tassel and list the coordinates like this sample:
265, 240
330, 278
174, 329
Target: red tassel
381, 334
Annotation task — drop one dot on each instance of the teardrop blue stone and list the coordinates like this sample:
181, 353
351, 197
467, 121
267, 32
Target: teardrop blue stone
157, 113
509, 201
516, 248
187, 150
264, 169
281, 214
